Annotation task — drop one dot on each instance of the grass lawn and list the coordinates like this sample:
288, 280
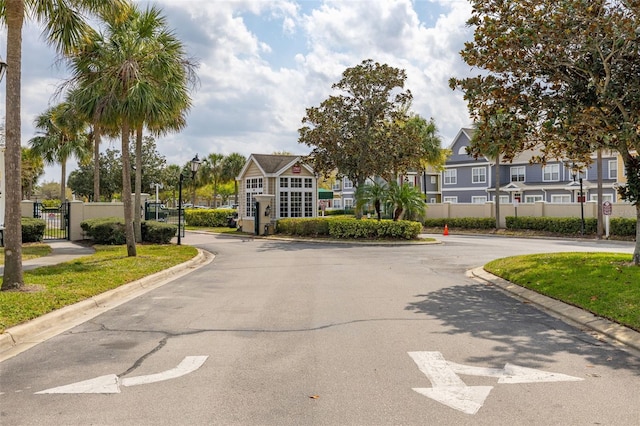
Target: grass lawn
29, 251
603, 283
53, 287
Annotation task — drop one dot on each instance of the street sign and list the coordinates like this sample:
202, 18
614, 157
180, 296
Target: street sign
607, 208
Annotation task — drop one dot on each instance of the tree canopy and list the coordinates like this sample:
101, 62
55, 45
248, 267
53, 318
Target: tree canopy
566, 72
367, 129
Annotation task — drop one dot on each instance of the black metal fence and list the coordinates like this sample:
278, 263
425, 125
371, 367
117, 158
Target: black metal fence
156, 211
56, 219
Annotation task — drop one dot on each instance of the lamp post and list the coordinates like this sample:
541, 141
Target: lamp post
574, 173
195, 165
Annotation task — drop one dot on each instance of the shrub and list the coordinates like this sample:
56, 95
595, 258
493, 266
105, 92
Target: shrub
557, 225
32, 229
158, 232
105, 230
308, 227
462, 222
349, 228
622, 227
208, 217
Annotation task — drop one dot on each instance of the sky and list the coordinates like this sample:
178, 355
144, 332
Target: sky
263, 62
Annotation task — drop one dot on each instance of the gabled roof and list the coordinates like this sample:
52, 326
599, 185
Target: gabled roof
273, 165
467, 131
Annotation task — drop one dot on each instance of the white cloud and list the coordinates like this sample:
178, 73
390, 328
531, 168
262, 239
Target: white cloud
263, 62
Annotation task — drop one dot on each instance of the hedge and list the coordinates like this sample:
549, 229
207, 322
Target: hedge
462, 222
111, 231
208, 217
32, 229
105, 230
621, 227
349, 228
556, 225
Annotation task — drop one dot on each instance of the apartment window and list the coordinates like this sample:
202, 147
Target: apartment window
561, 199
613, 169
504, 199
479, 175
253, 187
605, 197
337, 203
478, 199
551, 173
517, 174
533, 198
346, 183
295, 197
450, 177
336, 186
434, 180
450, 199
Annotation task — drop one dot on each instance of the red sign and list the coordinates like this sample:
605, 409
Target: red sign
607, 208
296, 169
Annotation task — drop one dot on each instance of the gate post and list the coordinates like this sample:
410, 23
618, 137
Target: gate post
75, 215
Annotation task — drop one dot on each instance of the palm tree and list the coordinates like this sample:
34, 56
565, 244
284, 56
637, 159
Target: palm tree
404, 200
64, 27
139, 71
32, 170
211, 172
61, 135
375, 194
231, 168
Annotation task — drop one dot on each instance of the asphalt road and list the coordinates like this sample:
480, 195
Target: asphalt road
294, 333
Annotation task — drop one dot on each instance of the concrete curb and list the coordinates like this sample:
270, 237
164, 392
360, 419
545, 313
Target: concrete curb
21, 337
568, 313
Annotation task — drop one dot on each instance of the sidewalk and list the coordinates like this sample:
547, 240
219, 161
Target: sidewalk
62, 251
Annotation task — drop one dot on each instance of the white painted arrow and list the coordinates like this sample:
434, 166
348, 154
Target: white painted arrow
111, 383
448, 389
512, 374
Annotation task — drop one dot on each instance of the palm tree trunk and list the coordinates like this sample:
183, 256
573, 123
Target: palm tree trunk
137, 205
63, 180
96, 162
126, 192
13, 277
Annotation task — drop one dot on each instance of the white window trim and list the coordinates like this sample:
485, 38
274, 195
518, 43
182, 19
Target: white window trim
450, 199
518, 174
605, 197
554, 169
558, 198
478, 199
614, 168
480, 173
530, 199
453, 177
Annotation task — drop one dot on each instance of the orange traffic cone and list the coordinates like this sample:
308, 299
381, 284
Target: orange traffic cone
446, 230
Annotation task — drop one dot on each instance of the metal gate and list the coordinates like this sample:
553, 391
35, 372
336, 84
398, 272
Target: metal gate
57, 220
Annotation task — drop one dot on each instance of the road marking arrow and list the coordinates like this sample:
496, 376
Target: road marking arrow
111, 383
448, 389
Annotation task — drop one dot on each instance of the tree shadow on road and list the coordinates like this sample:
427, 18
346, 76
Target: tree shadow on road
523, 334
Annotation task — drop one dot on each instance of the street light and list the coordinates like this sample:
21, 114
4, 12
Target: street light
195, 165
574, 173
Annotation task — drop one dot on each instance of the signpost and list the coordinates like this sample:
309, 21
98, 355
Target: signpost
607, 209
